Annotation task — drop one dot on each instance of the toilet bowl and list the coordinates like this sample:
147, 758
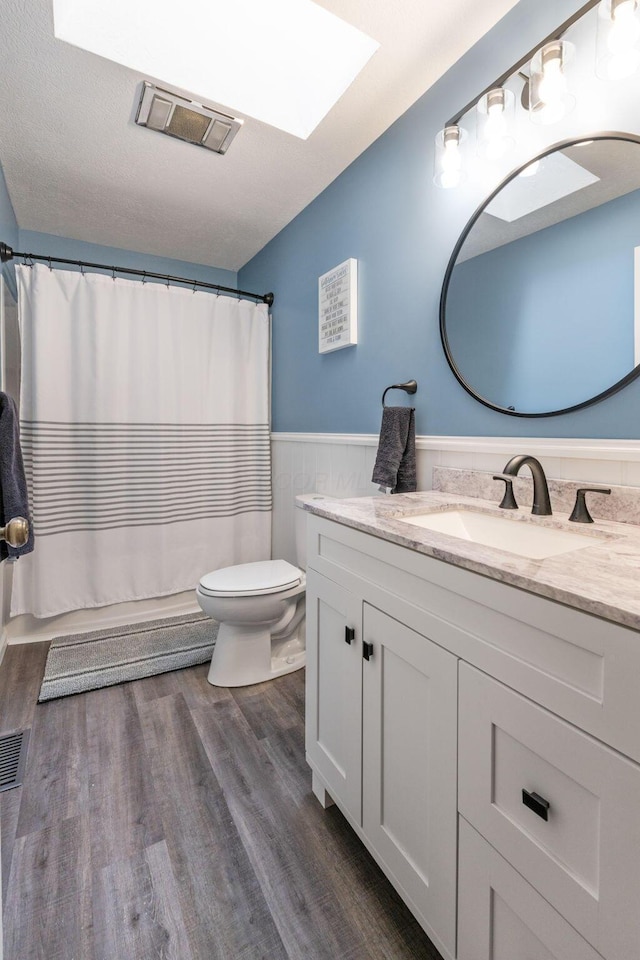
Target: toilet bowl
260, 610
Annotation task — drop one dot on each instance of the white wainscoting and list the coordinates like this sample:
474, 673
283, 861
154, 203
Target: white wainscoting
340, 465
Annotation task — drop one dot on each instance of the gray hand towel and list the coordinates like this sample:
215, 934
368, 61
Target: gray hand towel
396, 459
13, 485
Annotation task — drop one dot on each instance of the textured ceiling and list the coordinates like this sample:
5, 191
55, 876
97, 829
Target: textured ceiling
76, 164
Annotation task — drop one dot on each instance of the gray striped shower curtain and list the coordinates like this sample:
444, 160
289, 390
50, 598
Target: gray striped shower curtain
145, 433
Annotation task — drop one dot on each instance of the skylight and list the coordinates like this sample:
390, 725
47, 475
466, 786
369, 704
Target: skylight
557, 177
285, 62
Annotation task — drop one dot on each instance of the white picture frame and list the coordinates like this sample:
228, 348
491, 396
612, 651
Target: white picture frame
338, 307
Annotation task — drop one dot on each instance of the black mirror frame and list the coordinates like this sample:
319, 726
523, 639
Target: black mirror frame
561, 145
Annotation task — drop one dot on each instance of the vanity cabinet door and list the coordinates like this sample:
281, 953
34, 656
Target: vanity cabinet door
501, 917
409, 767
334, 690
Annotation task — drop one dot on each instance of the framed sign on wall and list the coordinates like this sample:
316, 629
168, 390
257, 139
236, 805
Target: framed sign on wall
338, 307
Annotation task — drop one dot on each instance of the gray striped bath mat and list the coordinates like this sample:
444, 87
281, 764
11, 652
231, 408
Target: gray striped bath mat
86, 661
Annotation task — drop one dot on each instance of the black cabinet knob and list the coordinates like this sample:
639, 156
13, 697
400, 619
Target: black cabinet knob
349, 634
367, 650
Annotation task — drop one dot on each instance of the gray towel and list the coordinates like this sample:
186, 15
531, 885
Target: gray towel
13, 485
396, 459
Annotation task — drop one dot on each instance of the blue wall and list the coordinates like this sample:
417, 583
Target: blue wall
384, 211
547, 321
45, 243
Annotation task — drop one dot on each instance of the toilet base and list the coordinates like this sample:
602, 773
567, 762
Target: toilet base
245, 654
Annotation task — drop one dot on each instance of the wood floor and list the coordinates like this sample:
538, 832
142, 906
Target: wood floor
166, 818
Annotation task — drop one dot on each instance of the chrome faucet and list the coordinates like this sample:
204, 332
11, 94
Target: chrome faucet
541, 502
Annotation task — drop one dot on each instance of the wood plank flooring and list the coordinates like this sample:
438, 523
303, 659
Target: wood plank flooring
169, 819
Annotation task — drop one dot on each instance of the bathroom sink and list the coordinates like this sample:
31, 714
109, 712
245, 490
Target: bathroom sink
523, 537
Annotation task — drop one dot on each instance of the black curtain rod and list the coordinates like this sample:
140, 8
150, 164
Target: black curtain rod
6, 253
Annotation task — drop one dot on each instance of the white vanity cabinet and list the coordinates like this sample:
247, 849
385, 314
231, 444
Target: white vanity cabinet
484, 742
381, 738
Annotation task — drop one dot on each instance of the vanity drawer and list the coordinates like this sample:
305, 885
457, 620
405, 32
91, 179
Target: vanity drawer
500, 916
585, 857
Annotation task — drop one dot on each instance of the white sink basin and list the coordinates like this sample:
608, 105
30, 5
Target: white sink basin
515, 536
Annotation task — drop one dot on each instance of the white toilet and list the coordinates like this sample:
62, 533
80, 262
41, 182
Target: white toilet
260, 609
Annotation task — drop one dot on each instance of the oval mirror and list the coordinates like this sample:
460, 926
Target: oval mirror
540, 307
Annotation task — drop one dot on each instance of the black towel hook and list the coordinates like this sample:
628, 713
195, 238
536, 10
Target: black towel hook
410, 386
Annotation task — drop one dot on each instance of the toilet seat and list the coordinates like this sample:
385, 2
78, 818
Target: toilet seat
251, 579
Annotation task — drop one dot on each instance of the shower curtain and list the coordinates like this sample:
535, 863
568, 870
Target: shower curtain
145, 433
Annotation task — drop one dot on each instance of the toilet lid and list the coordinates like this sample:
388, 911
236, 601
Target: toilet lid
251, 579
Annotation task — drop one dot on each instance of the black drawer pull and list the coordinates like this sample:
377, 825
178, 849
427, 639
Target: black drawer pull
367, 650
349, 634
538, 804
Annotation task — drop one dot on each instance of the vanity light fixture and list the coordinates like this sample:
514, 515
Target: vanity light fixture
495, 113
618, 39
546, 96
448, 168
549, 96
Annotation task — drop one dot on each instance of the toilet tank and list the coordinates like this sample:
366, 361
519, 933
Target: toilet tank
301, 525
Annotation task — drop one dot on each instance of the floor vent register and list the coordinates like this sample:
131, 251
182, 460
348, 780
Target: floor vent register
13, 755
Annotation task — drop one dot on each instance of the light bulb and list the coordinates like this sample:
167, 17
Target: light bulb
553, 85
618, 53
496, 124
451, 159
549, 96
448, 170
625, 28
495, 110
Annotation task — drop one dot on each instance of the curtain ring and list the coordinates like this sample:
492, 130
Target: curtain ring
81, 265
50, 267
168, 278
113, 273
194, 285
144, 276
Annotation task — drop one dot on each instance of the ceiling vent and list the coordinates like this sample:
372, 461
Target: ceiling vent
168, 113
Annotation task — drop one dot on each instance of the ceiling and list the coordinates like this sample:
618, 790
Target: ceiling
77, 166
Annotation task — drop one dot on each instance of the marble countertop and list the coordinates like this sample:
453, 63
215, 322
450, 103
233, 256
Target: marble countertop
603, 579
